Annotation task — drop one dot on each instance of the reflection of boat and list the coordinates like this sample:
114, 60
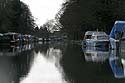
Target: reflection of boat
96, 54
95, 38
117, 64
122, 52
13, 50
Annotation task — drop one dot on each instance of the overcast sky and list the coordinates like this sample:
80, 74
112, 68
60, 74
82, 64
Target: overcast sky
43, 10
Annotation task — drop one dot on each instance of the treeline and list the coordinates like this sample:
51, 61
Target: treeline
15, 16
75, 18
48, 28
83, 15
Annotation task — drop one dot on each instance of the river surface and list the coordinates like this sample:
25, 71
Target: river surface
61, 63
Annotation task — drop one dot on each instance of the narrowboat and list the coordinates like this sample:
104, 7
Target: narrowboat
11, 38
27, 38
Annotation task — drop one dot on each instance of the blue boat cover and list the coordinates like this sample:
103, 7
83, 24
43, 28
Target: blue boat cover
117, 69
119, 26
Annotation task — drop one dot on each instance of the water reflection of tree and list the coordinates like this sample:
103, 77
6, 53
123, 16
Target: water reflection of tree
53, 50
53, 53
16, 66
23, 62
42, 48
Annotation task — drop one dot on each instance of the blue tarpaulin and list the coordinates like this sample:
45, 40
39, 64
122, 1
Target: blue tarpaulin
119, 26
117, 69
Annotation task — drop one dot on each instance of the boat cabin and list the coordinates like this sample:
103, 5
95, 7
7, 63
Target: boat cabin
99, 36
88, 34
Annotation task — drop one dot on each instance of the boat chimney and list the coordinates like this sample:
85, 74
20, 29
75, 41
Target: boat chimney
97, 30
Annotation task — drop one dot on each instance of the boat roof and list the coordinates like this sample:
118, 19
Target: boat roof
99, 33
119, 22
90, 32
10, 33
118, 26
1, 34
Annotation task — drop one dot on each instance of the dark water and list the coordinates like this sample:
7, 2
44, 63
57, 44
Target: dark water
61, 63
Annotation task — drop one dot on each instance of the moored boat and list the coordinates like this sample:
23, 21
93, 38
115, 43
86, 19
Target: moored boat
11, 38
96, 39
116, 34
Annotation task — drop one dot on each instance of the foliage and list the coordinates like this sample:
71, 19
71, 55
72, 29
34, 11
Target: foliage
15, 16
82, 15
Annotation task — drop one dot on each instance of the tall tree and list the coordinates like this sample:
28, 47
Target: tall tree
15, 16
82, 15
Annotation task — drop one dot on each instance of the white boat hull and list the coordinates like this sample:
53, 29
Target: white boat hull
96, 43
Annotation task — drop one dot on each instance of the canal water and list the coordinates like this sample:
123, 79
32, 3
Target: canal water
61, 63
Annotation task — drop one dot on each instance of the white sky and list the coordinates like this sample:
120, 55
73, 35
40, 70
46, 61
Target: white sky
44, 10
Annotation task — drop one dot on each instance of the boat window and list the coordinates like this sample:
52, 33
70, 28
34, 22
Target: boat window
16, 36
92, 37
88, 37
102, 37
88, 54
6, 37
